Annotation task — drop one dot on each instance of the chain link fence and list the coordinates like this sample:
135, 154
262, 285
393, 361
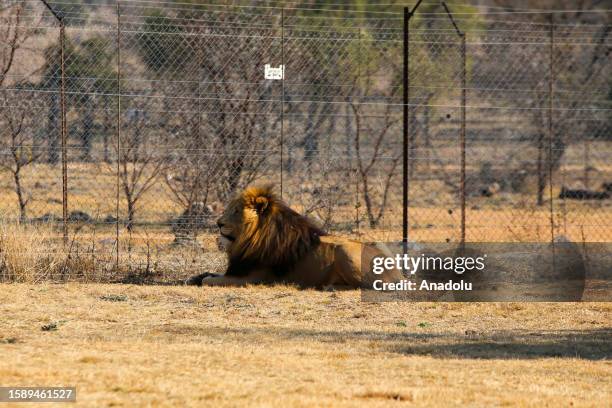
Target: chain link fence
126, 126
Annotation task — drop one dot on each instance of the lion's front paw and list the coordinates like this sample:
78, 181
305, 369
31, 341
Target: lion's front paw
197, 279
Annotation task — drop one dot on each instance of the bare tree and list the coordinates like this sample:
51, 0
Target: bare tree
240, 134
18, 147
323, 194
141, 155
242, 117
191, 180
16, 115
12, 36
583, 69
193, 170
376, 157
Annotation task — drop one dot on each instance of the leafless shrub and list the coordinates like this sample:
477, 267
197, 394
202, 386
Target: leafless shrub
141, 161
18, 139
377, 158
16, 112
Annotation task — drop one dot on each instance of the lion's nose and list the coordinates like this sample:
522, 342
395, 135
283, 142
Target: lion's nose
220, 223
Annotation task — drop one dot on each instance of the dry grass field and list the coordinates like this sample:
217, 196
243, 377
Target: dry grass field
125, 345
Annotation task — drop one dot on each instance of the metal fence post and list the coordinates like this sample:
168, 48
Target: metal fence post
118, 141
353, 169
462, 142
463, 124
405, 130
406, 120
63, 128
550, 136
282, 99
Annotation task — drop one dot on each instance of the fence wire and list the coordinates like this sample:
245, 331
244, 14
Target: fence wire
168, 114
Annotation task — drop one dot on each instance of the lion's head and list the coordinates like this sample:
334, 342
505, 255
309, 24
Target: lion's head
258, 229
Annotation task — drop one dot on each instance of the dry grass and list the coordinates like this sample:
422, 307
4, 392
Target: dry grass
28, 254
36, 253
182, 346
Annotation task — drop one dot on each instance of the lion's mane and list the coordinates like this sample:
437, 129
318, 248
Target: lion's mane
277, 238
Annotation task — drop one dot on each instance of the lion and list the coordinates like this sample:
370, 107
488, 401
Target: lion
267, 242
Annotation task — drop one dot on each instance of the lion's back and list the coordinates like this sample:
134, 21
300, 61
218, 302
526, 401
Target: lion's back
336, 261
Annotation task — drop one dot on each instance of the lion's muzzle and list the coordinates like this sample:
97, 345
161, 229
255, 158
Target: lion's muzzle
223, 243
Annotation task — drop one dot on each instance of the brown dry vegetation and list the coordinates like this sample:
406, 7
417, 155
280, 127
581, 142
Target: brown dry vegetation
434, 217
35, 253
183, 346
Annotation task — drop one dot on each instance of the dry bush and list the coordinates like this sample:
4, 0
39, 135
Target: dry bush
28, 254
35, 253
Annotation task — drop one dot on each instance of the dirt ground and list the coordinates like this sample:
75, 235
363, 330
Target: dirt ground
123, 345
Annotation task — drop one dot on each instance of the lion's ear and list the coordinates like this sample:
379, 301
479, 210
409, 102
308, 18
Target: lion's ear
261, 204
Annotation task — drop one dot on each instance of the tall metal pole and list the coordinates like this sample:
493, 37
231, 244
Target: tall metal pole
406, 113
550, 135
461, 35
64, 130
406, 121
463, 120
282, 99
354, 169
118, 141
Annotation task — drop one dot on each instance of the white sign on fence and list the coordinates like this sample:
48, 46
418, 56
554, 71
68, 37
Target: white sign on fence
274, 73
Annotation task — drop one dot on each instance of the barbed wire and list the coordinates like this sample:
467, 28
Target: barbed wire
172, 5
